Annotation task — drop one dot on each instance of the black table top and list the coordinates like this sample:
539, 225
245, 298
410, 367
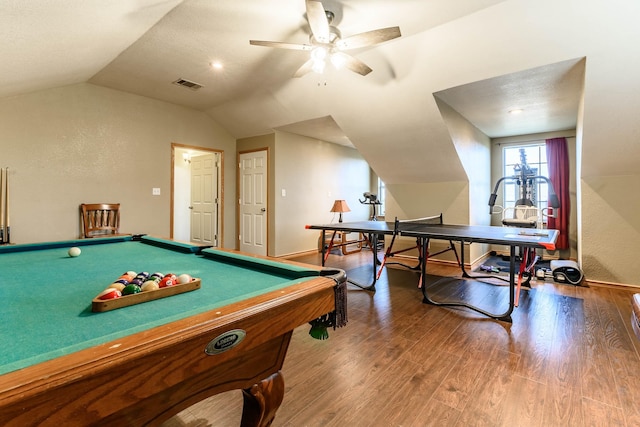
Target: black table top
510, 236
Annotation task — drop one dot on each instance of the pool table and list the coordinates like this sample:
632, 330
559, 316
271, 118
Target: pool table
62, 364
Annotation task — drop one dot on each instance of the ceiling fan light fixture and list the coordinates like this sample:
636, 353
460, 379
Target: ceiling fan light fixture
325, 42
318, 66
319, 53
318, 57
337, 61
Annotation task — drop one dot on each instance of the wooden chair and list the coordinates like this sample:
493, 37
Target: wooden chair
100, 219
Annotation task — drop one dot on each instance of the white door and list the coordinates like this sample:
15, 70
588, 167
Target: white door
204, 199
253, 202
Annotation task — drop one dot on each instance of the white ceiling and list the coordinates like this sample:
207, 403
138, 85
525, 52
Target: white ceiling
143, 46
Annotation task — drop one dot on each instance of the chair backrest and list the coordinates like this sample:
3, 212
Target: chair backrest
100, 219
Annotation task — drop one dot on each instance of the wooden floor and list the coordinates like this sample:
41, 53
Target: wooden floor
569, 358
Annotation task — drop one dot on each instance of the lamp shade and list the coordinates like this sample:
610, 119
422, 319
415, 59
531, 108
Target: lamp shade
340, 206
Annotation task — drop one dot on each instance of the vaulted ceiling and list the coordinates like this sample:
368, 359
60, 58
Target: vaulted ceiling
482, 57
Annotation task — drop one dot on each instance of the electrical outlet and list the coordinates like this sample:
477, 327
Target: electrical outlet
155, 191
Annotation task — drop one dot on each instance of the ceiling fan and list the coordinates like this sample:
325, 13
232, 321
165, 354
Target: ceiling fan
326, 42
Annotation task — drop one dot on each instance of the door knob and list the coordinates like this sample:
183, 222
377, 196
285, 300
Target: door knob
263, 210
190, 207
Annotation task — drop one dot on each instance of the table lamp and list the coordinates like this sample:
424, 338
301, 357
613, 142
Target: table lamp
340, 206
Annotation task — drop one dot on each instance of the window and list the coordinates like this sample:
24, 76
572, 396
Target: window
381, 197
533, 159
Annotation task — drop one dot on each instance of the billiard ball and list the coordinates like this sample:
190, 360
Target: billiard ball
74, 252
149, 285
131, 289
167, 281
184, 278
109, 293
117, 285
156, 276
143, 275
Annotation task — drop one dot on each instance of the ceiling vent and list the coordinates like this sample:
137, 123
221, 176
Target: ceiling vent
187, 84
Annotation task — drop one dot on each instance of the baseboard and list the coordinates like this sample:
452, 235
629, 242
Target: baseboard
611, 285
297, 254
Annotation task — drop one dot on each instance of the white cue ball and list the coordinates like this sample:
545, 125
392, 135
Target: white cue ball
74, 252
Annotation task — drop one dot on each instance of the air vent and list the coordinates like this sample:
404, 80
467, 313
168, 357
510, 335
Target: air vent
187, 84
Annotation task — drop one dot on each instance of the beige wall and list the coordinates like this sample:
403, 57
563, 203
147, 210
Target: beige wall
610, 228
406, 201
84, 143
474, 149
314, 174
459, 202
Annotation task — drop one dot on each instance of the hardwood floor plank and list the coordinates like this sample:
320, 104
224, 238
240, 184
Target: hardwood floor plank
525, 403
458, 388
491, 394
566, 356
562, 406
406, 406
615, 332
539, 327
374, 396
434, 413
597, 375
597, 414
626, 368
364, 368
622, 299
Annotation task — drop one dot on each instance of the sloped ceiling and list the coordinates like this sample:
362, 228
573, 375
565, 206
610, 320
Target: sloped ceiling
480, 56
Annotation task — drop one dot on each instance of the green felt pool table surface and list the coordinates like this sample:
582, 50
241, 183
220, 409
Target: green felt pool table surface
47, 294
63, 364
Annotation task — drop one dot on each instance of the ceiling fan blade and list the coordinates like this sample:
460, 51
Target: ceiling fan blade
369, 38
306, 68
341, 59
281, 45
318, 22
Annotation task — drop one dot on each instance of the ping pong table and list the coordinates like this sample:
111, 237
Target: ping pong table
522, 243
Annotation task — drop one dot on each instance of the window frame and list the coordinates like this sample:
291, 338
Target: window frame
536, 158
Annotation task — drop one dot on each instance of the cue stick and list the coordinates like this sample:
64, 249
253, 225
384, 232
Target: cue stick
3, 232
6, 206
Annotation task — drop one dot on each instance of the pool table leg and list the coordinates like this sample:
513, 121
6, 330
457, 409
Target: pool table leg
261, 401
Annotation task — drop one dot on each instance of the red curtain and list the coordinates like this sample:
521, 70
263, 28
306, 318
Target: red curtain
558, 162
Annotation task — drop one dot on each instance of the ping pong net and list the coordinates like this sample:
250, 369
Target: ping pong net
423, 255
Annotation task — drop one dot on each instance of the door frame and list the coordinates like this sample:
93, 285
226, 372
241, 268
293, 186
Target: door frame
269, 198
193, 149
